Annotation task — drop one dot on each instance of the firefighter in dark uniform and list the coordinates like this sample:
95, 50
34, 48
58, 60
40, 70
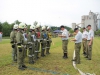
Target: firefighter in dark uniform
49, 40
13, 42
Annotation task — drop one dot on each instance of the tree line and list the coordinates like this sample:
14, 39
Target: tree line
6, 28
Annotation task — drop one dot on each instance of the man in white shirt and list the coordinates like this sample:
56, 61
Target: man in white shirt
89, 42
78, 40
65, 38
84, 40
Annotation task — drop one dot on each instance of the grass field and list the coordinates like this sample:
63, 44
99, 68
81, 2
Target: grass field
51, 64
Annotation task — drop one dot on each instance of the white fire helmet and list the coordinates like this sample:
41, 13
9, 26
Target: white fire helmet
43, 28
37, 26
48, 28
15, 26
32, 27
22, 25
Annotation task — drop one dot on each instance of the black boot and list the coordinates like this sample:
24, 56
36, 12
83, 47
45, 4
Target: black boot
84, 53
24, 66
32, 62
21, 68
42, 53
15, 61
37, 55
65, 55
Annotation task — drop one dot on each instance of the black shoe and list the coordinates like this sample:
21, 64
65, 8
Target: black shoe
47, 53
42, 55
64, 57
77, 63
15, 60
88, 59
65, 54
21, 68
31, 62
24, 66
38, 57
73, 60
84, 53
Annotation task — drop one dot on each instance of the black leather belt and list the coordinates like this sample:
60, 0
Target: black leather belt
77, 43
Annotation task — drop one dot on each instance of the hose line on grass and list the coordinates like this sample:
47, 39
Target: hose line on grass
81, 73
47, 71
42, 70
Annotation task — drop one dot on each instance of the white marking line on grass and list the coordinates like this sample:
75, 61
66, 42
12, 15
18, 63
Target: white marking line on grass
81, 73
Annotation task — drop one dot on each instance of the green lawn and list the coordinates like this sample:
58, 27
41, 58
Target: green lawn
51, 64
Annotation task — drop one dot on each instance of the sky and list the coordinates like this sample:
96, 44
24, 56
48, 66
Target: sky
47, 12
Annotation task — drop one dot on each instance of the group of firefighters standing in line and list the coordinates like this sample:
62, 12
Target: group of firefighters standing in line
22, 41
41, 37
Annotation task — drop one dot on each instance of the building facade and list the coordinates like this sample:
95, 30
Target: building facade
90, 19
98, 22
73, 26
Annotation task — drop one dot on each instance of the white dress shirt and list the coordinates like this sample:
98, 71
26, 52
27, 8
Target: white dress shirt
78, 37
90, 34
85, 35
65, 33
